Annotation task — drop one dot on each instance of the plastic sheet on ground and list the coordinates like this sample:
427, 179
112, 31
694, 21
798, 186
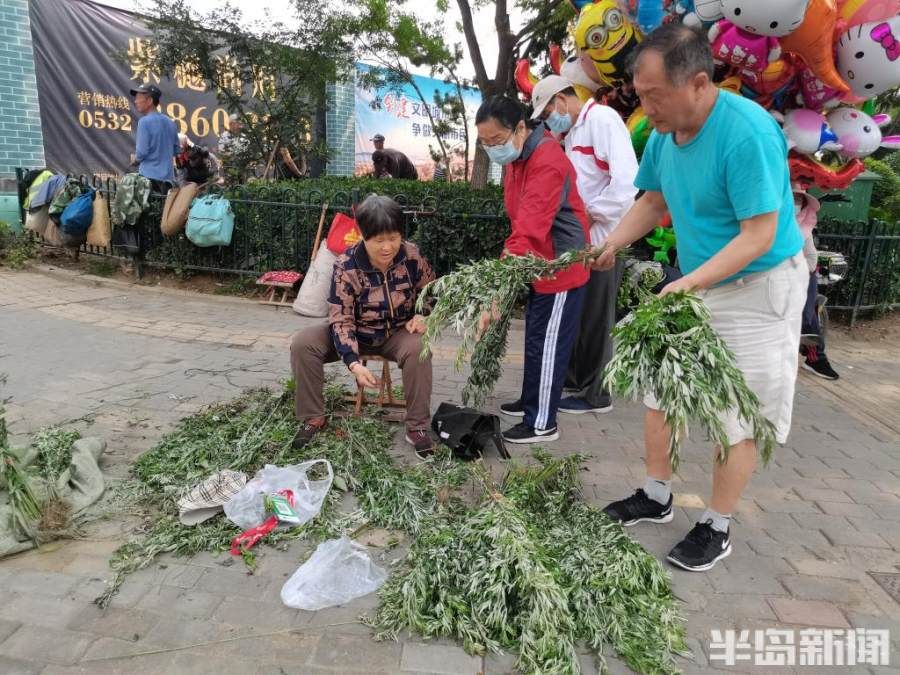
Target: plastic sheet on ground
337, 572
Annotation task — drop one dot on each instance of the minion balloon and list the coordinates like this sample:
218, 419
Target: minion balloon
606, 35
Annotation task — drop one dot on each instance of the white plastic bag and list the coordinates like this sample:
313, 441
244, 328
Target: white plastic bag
247, 508
337, 572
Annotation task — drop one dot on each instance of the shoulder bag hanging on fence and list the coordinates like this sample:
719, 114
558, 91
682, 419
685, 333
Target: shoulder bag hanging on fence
211, 221
467, 432
77, 216
100, 232
71, 189
177, 207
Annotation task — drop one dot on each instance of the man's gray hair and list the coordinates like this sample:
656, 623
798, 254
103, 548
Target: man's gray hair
685, 52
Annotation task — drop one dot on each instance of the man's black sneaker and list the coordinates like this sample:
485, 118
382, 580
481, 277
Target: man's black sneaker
574, 405
639, 508
522, 433
306, 433
818, 364
700, 549
514, 409
421, 440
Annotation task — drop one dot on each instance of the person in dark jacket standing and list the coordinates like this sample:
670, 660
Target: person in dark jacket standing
547, 218
393, 163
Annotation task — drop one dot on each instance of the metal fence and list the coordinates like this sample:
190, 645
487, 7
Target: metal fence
872, 250
275, 228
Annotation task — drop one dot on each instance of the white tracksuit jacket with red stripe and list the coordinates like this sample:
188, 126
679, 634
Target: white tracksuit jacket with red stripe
599, 146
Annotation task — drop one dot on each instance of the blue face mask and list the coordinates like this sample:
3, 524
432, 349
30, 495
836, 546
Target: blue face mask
558, 123
503, 154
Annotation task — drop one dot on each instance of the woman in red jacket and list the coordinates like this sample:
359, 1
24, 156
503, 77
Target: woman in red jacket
547, 218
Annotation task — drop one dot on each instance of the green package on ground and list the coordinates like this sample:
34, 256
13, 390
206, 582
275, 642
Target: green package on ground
282, 509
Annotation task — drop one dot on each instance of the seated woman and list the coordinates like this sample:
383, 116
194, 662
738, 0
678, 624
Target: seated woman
372, 312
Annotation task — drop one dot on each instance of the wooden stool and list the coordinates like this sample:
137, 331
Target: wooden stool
394, 408
274, 281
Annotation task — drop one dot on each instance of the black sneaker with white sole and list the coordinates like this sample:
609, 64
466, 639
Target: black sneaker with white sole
573, 405
522, 433
514, 409
817, 363
701, 549
639, 508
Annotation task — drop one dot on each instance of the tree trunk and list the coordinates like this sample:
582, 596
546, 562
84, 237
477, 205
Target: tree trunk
481, 168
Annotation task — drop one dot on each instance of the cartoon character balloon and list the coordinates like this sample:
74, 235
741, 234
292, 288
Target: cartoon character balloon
859, 134
606, 35
868, 57
813, 42
747, 37
815, 94
698, 12
807, 131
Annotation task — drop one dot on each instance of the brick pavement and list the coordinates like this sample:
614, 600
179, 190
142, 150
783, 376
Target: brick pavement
126, 363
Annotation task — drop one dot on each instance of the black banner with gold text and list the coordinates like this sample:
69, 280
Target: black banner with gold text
87, 116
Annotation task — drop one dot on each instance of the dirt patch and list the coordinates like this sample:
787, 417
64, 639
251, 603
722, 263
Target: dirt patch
882, 329
208, 283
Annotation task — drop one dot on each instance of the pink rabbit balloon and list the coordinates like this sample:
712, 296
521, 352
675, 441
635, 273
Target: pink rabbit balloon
859, 134
807, 131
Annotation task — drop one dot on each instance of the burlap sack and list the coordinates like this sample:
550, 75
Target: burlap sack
100, 231
177, 207
52, 234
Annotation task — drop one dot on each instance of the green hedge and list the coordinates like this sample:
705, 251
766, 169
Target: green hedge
451, 222
885, 192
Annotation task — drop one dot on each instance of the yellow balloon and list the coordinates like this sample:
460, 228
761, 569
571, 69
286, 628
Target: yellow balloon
605, 33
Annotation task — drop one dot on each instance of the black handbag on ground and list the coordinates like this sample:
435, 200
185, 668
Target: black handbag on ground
467, 432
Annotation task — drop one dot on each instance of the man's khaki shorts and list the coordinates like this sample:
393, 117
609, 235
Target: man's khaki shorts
758, 317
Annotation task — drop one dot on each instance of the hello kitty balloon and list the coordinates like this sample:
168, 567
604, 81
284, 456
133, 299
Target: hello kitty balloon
858, 134
775, 18
815, 94
868, 57
747, 37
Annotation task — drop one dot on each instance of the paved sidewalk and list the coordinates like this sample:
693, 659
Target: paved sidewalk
817, 531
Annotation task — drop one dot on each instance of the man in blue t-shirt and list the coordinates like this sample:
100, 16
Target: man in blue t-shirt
157, 139
718, 162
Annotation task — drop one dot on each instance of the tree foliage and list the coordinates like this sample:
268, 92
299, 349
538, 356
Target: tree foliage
273, 74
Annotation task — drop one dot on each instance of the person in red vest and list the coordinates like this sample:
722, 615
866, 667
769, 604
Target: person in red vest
547, 218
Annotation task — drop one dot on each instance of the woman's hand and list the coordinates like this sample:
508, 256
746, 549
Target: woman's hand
416, 324
487, 318
607, 259
364, 376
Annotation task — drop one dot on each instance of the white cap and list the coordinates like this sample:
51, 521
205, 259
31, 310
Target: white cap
544, 91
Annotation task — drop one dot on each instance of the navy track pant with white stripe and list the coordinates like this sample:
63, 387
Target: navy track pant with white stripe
551, 328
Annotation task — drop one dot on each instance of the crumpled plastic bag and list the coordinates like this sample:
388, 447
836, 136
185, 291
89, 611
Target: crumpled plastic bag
247, 508
338, 571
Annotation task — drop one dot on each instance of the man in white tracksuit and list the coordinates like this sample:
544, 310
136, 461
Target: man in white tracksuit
599, 146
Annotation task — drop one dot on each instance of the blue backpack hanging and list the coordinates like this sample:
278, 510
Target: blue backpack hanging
77, 216
211, 221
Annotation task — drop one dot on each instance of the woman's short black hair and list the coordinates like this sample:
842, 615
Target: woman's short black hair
379, 215
507, 111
